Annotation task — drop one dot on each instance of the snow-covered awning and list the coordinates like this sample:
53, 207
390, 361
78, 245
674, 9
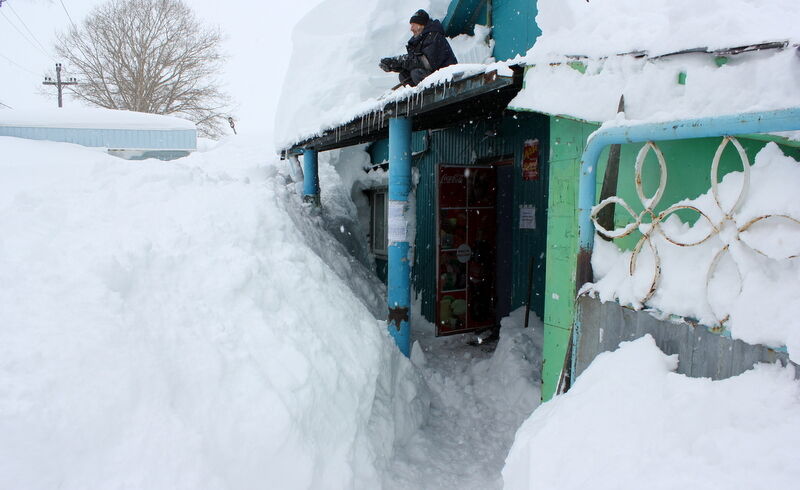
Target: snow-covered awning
454, 94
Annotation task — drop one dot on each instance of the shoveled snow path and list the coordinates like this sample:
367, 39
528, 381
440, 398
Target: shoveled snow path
479, 397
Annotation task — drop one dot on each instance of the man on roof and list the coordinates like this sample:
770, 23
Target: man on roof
428, 50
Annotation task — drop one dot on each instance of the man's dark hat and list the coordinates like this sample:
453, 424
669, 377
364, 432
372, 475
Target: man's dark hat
420, 17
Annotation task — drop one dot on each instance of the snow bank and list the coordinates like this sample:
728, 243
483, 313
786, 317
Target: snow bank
630, 422
94, 118
185, 325
333, 76
609, 27
600, 30
755, 283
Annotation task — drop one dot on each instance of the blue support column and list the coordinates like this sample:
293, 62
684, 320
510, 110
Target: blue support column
310, 177
399, 294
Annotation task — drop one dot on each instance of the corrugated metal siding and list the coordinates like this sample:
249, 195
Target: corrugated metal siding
179, 139
471, 144
702, 353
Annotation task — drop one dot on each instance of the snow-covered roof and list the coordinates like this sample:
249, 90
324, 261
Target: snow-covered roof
643, 52
333, 75
91, 118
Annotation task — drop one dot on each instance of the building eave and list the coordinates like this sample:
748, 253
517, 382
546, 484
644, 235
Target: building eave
439, 106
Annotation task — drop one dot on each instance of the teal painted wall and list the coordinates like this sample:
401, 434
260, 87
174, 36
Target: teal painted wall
515, 28
514, 23
470, 144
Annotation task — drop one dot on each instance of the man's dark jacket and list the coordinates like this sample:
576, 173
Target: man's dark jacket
432, 43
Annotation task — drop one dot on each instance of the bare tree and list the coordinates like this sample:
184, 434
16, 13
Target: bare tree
148, 56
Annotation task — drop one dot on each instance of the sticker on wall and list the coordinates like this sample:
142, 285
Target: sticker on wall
527, 217
530, 160
398, 226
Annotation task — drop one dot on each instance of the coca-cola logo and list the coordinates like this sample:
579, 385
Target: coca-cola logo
452, 179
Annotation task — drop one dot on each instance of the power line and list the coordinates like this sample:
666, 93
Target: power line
18, 65
13, 11
5, 105
67, 12
23, 35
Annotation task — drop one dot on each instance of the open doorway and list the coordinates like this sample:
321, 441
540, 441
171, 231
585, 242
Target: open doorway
470, 272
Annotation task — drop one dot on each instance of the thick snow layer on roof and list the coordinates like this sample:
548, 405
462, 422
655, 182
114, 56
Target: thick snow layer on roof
630, 422
334, 77
186, 326
607, 27
601, 30
91, 118
748, 82
755, 282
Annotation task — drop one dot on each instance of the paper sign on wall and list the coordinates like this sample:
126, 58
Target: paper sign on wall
530, 160
527, 217
398, 226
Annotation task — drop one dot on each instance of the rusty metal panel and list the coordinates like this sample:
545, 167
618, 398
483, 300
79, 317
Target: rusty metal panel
701, 352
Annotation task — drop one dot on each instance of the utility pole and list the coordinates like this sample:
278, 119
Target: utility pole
58, 83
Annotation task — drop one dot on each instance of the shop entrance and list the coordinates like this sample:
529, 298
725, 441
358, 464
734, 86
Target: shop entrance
466, 297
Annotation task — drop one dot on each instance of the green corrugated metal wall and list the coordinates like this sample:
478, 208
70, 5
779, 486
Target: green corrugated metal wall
470, 144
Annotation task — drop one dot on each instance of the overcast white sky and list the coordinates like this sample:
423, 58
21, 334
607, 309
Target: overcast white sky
258, 44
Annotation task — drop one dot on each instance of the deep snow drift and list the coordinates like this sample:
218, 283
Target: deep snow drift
334, 76
755, 283
185, 325
192, 325
630, 422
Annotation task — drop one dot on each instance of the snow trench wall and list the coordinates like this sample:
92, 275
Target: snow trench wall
701, 352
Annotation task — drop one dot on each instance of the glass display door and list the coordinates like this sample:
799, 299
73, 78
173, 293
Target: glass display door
466, 249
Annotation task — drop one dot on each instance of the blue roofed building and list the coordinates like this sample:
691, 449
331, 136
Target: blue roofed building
126, 134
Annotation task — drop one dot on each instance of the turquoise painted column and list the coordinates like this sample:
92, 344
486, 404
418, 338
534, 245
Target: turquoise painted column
399, 294
310, 177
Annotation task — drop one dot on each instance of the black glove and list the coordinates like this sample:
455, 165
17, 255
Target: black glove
388, 64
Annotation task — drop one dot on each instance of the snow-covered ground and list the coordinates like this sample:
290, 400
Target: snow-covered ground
186, 325
479, 396
192, 325
630, 422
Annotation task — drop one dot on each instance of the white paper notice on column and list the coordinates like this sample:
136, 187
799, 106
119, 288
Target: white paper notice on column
527, 217
398, 225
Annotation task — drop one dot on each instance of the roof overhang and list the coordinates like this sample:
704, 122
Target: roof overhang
435, 107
